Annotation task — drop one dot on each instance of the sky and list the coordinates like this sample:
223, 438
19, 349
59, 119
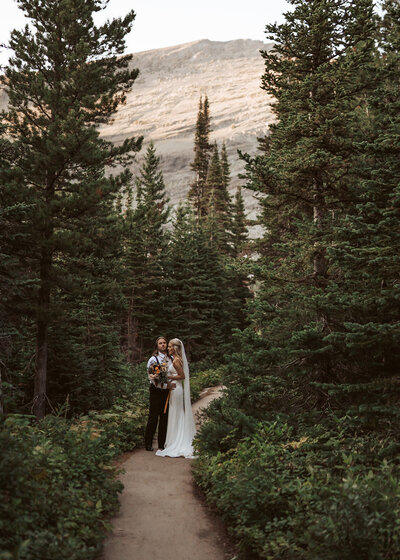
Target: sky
164, 23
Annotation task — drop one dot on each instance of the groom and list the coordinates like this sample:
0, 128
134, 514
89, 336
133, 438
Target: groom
158, 397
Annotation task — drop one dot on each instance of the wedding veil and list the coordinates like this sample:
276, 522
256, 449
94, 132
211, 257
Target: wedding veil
189, 426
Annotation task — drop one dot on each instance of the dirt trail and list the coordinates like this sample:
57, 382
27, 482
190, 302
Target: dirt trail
161, 517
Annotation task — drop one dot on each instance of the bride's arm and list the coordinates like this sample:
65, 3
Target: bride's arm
179, 369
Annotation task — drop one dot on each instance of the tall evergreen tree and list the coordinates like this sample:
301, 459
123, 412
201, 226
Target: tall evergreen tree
85, 362
67, 76
199, 291
145, 259
318, 72
151, 195
366, 336
240, 283
188, 283
217, 181
217, 204
239, 224
15, 280
226, 168
202, 149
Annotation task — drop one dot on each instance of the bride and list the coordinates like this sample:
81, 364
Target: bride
181, 428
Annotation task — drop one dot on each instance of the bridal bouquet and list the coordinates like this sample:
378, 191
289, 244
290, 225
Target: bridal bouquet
161, 371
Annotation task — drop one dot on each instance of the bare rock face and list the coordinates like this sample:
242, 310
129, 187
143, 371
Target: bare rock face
163, 104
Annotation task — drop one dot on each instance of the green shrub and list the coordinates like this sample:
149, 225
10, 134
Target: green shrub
199, 380
57, 484
225, 427
311, 497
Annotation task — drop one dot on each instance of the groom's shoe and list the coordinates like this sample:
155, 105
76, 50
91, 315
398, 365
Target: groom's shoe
149, 448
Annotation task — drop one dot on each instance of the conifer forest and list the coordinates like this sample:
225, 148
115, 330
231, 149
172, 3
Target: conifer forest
300, 456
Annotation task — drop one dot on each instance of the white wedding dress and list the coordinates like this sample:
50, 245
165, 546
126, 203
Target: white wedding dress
181, 428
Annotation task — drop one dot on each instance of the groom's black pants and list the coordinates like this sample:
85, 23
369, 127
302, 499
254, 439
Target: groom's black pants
158, 398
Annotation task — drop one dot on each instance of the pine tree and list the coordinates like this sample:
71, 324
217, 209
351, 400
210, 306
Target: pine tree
144, 260
188, 284
318, 72
151, 195
202, 149
15, 279
366, 336
238, 268
199, 291
135, 280
226, 168
217, 181
67, 76
217, 203
85, 361
239, 224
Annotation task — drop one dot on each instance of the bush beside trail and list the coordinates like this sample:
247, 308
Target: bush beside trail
58, 485
305, 493
203, 378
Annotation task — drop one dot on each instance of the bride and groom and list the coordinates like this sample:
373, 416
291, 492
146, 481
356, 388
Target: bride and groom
170, 406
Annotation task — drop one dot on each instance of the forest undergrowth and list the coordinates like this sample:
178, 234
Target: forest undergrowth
59, 478
296, 485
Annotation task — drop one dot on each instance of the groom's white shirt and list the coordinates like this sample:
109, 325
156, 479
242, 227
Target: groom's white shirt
161, 358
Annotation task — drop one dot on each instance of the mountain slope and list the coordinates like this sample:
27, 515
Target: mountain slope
163, 105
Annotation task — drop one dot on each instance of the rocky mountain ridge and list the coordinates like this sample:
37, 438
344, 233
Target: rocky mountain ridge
163, 104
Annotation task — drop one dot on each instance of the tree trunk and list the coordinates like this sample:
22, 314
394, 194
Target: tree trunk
1, 396
130, 343
320, 264
39, 403
134, 346
320, 273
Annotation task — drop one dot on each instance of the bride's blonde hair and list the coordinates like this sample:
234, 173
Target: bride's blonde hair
176, 343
